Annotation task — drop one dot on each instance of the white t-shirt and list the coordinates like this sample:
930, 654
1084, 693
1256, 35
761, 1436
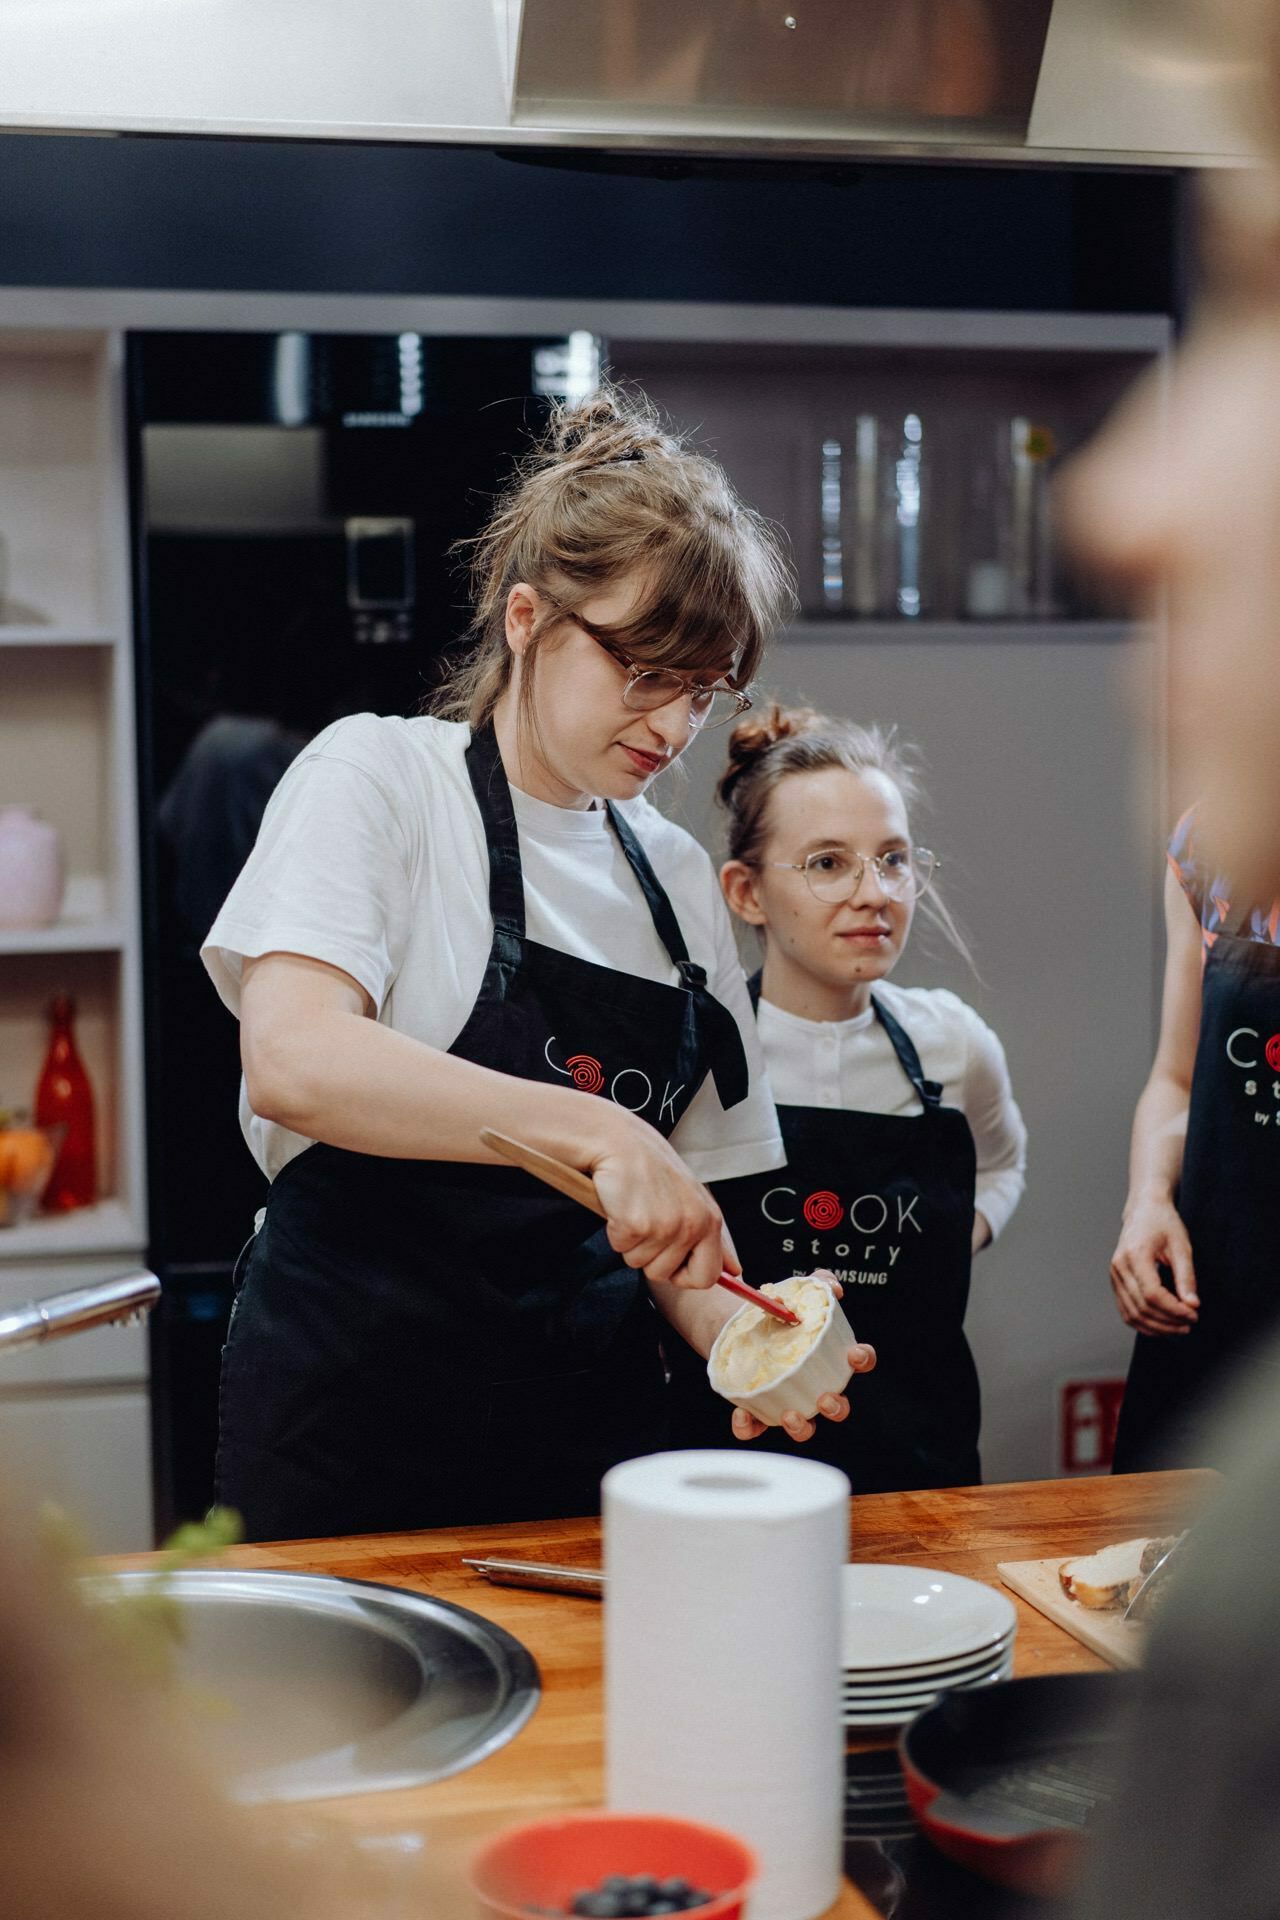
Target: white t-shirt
852, 1064
371, 856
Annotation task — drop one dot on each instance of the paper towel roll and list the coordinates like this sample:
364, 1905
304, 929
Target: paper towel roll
722, 1657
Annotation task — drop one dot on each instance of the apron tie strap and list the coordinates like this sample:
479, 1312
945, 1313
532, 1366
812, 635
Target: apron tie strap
725, 1052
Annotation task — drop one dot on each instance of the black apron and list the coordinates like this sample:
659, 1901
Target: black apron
1229, 1199
886, 1202
427, 1343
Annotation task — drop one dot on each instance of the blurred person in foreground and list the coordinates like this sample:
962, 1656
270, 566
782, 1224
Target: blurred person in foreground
108, 1813
1190, 503
1181, 506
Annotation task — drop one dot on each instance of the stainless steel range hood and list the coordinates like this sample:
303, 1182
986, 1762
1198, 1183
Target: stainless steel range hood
1139, 80
899, 70
1147, 82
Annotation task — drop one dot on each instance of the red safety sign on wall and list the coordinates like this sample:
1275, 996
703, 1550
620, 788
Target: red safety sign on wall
1088, 1413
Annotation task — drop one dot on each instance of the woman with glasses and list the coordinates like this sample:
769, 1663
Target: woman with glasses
474, 920
905, 1147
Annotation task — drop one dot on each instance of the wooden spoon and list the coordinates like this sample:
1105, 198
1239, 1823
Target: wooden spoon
580, 1187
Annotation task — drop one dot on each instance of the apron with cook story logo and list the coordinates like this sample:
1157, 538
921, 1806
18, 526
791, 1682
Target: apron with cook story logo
1229, 1200
886, 1202
426, 1343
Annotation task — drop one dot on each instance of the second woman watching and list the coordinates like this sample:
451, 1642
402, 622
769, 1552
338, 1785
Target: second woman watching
905, 1147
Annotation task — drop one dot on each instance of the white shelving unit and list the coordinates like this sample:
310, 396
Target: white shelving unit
74, 1421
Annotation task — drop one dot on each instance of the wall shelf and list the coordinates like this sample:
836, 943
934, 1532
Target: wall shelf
108, 1227
65, 936
840, 627
20, 636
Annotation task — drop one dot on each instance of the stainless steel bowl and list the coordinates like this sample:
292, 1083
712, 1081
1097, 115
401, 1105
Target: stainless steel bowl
307, 1686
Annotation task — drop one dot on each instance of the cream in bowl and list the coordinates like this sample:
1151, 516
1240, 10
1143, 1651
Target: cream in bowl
770, 1368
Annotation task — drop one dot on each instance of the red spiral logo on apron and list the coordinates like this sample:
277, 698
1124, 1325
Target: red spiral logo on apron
585, 1072
823, 1210
1273, 1053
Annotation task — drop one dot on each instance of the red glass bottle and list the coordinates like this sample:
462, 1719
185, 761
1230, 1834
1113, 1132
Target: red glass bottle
64, 1098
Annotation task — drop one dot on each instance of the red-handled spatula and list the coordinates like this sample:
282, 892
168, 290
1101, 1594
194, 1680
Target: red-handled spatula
580, 1187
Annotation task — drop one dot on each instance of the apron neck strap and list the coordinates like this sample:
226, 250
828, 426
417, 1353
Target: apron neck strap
493, 797
930, 1091
664, 914
725, 1051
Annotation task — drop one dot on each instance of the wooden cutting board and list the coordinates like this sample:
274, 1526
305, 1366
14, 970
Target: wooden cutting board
1118, 1640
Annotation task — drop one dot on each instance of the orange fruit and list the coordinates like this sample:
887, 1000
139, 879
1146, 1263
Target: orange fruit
26, 1156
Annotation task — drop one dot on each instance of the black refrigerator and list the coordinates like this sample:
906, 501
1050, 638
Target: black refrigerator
297, 500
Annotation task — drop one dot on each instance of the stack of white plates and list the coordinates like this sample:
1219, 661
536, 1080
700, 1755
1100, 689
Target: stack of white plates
911, 1633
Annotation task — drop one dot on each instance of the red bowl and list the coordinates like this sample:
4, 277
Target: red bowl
547, 1862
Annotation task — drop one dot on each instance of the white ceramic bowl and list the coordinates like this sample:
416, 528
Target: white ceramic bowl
824, 1368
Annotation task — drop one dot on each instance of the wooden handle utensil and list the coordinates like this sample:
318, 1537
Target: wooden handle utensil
580, 1187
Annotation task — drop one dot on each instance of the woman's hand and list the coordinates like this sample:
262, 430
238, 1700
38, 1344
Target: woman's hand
660, 1218
1153, 1236
832, 1406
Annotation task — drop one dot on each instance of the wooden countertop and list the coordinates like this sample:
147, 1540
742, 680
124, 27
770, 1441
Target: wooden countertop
557, 1760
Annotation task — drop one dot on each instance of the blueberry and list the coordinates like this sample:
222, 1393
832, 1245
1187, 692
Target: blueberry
615, 1883
673, 1890
697, 1898
600, 1906
634, 1903
664, 1906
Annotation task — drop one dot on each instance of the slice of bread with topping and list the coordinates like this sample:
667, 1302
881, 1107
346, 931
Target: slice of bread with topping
1106, 1579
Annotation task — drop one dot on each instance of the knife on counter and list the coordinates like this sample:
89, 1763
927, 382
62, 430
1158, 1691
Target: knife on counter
586, 1581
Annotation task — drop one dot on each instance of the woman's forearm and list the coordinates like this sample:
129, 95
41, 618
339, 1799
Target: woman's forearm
337, 1076
696, 1316
315, 1061
1159, 1139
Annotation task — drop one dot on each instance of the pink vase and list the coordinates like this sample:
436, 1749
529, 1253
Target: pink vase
32, 876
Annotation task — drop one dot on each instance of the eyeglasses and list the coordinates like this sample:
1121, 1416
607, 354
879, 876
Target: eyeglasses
833, 876
649, 688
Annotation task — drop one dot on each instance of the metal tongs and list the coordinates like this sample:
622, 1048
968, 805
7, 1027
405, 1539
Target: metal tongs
578, 1186
1144, 1601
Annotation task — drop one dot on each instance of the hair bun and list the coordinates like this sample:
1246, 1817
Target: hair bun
756, 736
606, 428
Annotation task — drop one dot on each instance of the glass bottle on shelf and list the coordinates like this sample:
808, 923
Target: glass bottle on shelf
64, 1098
907, 520
1010, 556
1031, 450
988, 588
864, 512
889, 531
831, 525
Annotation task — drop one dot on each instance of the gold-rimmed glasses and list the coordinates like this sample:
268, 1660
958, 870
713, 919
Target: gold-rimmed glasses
711, 704
834, 875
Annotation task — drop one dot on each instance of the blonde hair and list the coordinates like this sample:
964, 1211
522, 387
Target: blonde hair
606, 492
767, 747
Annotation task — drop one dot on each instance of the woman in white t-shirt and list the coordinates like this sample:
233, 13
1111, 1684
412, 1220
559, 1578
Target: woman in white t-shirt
442, 929
905, 1147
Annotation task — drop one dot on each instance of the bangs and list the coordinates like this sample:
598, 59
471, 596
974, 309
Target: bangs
700, 608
